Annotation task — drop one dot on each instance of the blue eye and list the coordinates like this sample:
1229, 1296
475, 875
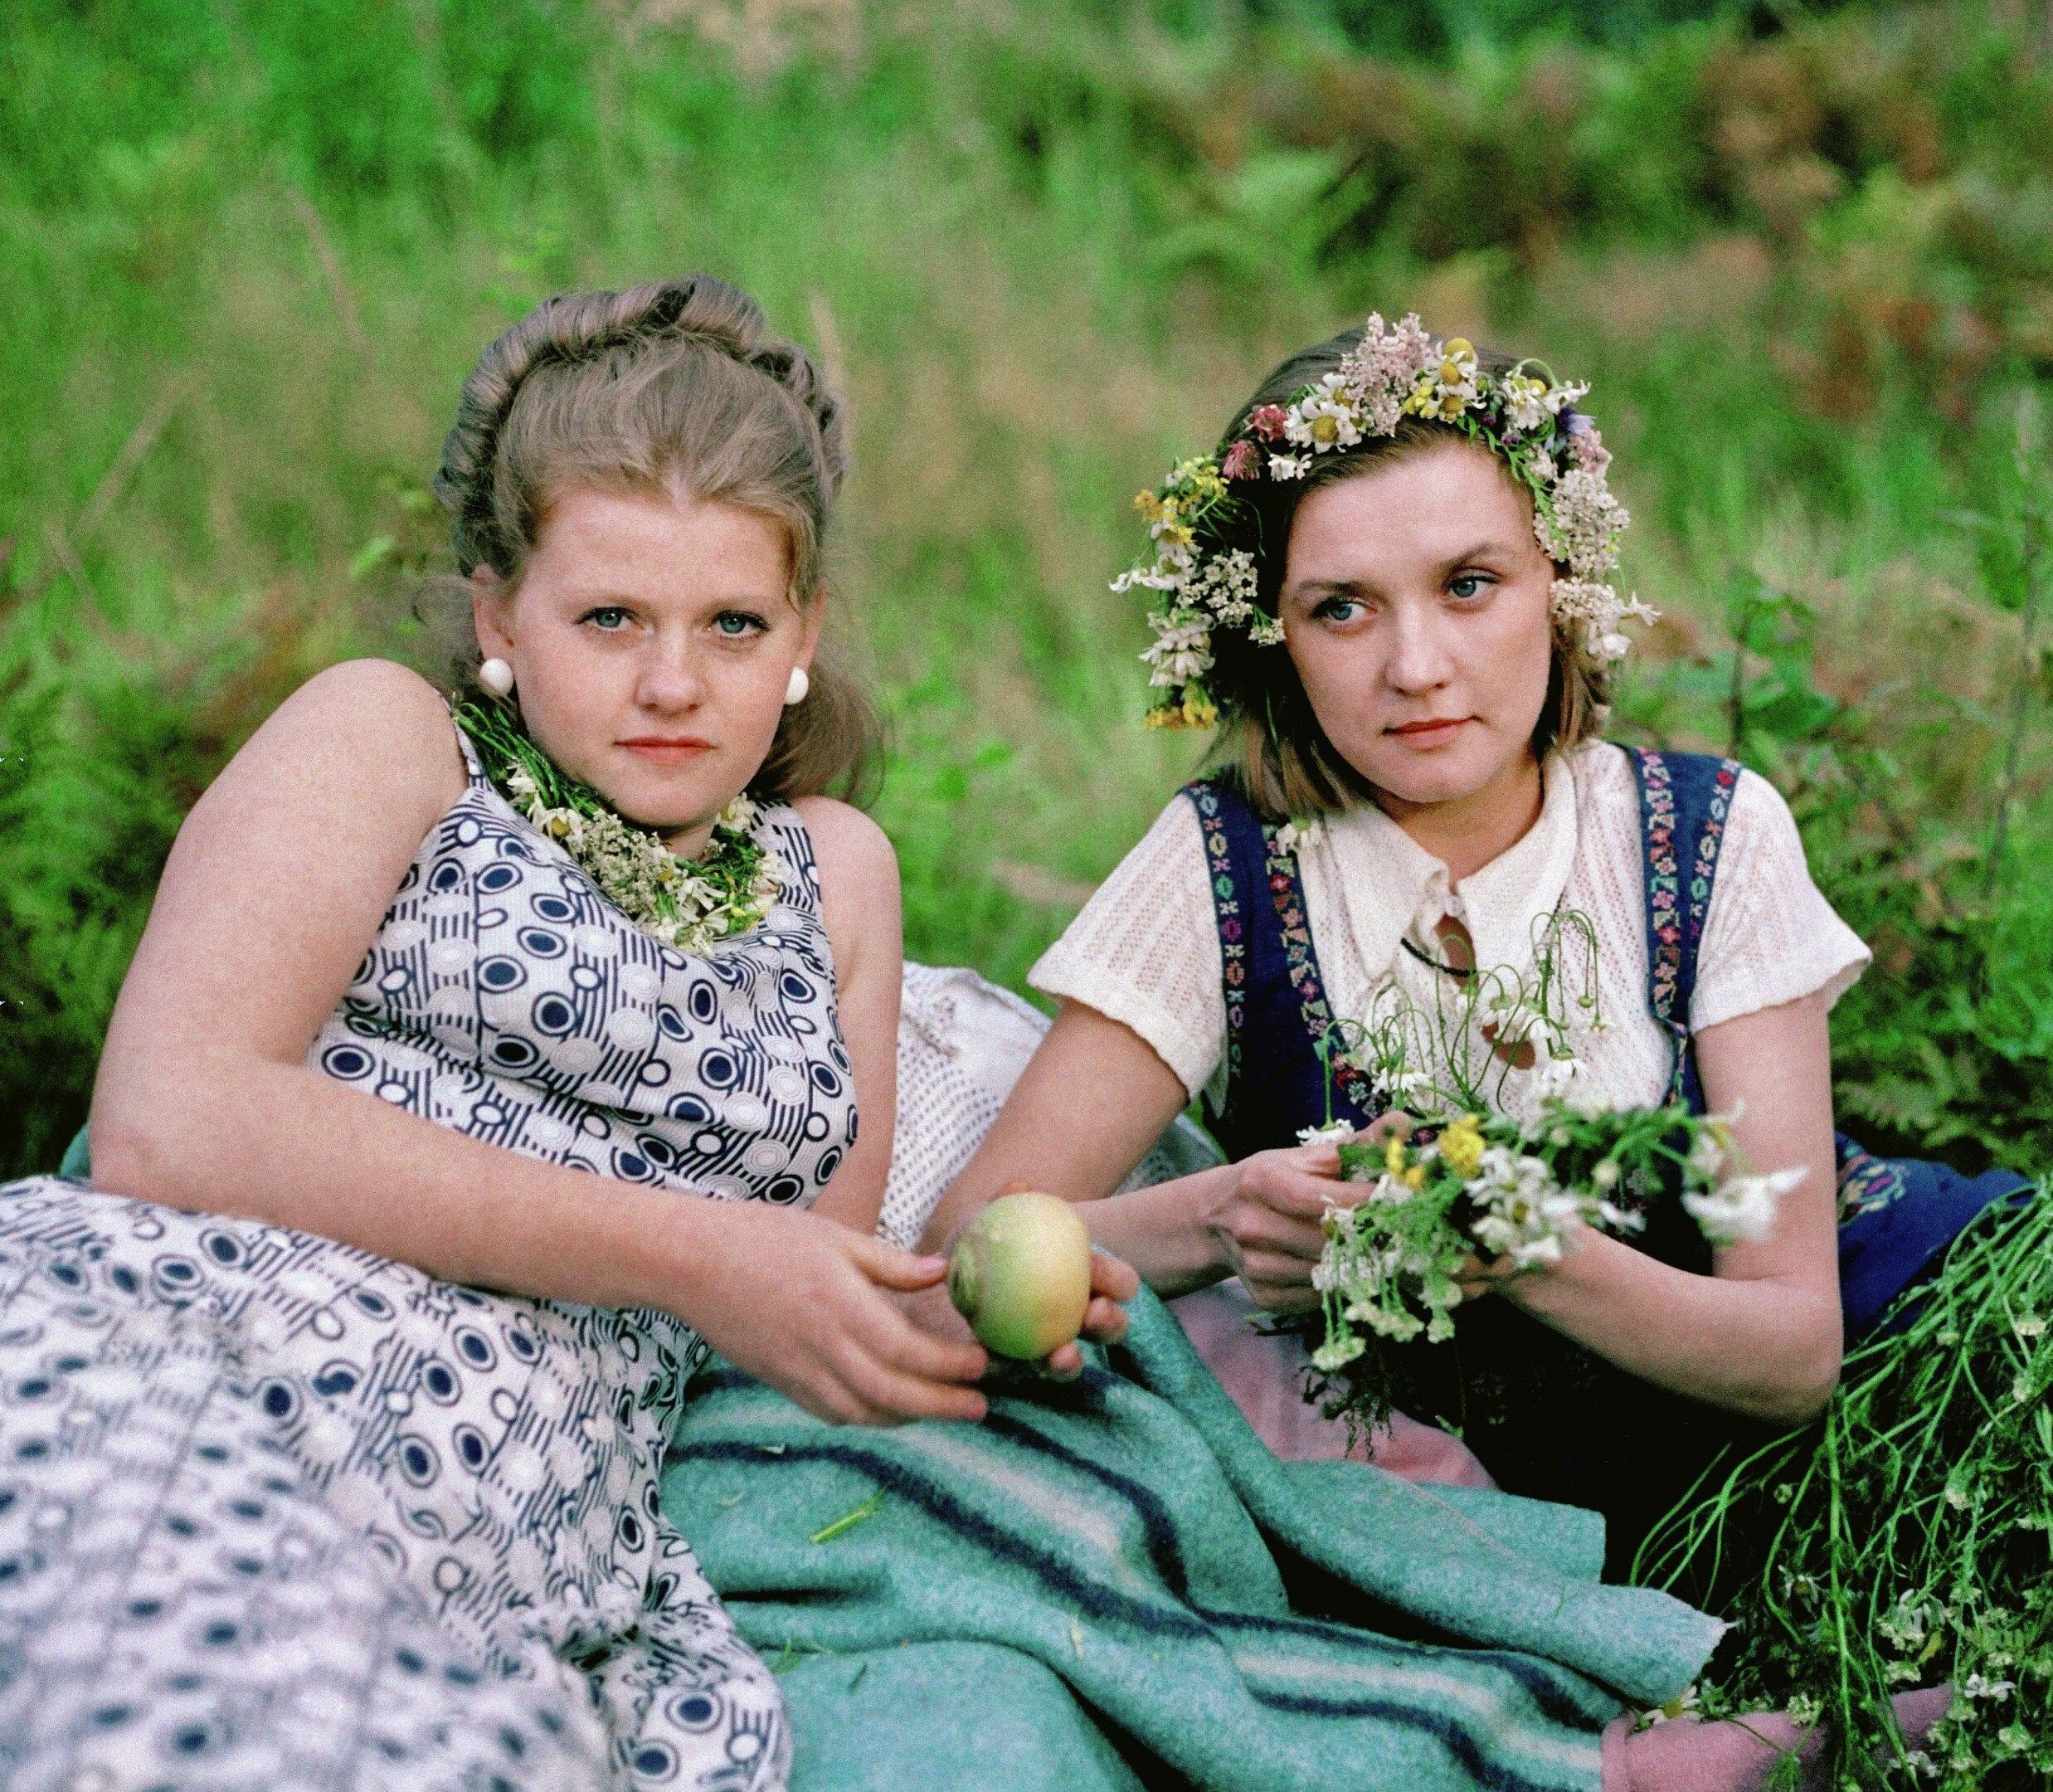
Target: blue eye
1329, 610
604, 610
1469, 578
748, 625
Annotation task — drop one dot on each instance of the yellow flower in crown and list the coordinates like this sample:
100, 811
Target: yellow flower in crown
1200, 579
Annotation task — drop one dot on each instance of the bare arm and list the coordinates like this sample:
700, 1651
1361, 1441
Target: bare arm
1084, 1111
1762, 1334
273, 891
860, 896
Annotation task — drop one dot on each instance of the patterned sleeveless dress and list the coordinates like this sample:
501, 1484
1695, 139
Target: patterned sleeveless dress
279, 1512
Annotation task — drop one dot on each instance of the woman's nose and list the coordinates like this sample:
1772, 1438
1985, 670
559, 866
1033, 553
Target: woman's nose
671, 678
1419, 657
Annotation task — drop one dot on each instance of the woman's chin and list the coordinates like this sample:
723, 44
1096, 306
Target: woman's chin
662, 808
1443, 775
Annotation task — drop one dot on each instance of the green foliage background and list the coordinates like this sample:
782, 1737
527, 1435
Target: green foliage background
1805, 258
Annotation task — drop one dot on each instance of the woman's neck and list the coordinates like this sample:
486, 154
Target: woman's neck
1466, 833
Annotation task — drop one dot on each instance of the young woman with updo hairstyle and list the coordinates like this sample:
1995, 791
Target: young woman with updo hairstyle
422, 1178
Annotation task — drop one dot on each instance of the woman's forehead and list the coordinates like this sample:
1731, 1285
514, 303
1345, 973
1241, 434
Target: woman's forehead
1421, 509
654, 540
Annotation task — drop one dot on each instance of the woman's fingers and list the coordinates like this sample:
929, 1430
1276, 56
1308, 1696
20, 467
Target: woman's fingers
1112, 1277
1104, 1321
897, 1398
884, 1332
889, 1267
1281, 1236
1268, 1287
1065, 1363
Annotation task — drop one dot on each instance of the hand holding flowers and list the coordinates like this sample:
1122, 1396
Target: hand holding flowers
1489, 1197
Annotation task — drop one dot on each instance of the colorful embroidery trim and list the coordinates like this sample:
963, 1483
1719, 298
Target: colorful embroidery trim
1280, 867
1219, 858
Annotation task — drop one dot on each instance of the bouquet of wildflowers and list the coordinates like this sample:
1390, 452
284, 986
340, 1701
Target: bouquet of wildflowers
1478, 1187
1487, 1189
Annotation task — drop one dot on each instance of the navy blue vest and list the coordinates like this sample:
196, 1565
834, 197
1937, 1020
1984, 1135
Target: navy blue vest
1547, 1417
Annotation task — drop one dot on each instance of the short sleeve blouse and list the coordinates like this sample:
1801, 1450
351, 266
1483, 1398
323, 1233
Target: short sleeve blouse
1144, 949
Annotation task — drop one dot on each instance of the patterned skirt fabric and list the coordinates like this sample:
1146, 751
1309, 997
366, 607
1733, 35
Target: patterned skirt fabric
279, 1513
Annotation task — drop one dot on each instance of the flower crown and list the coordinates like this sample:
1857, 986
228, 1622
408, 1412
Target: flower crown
1394, 372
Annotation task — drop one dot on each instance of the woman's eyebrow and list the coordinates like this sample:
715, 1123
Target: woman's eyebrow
1488, 550
602, 598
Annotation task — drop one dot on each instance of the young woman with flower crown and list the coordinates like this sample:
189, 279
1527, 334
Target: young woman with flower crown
1390, 586
470, 1082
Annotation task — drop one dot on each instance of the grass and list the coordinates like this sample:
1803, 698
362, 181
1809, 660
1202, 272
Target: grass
252, 252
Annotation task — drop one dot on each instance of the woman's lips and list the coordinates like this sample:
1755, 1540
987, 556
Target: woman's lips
668, 752
1423, 734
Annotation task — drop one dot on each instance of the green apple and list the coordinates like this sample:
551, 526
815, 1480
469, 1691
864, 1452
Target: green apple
1020, 1274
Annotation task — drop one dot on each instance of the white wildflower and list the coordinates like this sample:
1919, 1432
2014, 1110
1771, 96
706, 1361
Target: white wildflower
1580, 523
1524, 402
1333, 1133
1322, 419
1182, 650
1741, 1208
1225, 586
1681, 1705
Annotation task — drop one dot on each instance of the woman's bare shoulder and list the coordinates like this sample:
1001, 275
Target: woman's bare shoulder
856, 844
371, 723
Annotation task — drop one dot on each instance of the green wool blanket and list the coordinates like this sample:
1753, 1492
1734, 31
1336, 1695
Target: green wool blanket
1112, 1583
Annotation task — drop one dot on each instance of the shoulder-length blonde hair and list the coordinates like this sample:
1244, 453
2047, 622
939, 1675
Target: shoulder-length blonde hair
1270, 737
671, 386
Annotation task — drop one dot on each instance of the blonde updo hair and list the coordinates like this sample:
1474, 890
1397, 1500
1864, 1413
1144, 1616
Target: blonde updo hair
1271, 737
672, 388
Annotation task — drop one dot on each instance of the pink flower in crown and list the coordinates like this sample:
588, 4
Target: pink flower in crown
1586, 446
1268, 422
1243, 460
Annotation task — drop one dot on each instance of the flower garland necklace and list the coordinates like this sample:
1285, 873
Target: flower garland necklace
1395, 372
685, 903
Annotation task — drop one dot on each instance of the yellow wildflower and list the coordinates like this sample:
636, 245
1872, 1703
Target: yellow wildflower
1394, 1156
1199, 711
1453, 404
1148, 504
1461, 1144
1458, 346
1422, 398
1415, 1177
1178, 532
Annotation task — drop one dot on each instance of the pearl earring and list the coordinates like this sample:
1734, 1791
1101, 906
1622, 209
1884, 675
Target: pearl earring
796, 687
497, 677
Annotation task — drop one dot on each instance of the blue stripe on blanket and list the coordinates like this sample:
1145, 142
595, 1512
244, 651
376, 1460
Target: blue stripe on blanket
1129, 1534
1107, 1606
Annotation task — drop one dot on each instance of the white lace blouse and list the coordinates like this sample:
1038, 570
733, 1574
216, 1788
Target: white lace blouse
1144, 949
